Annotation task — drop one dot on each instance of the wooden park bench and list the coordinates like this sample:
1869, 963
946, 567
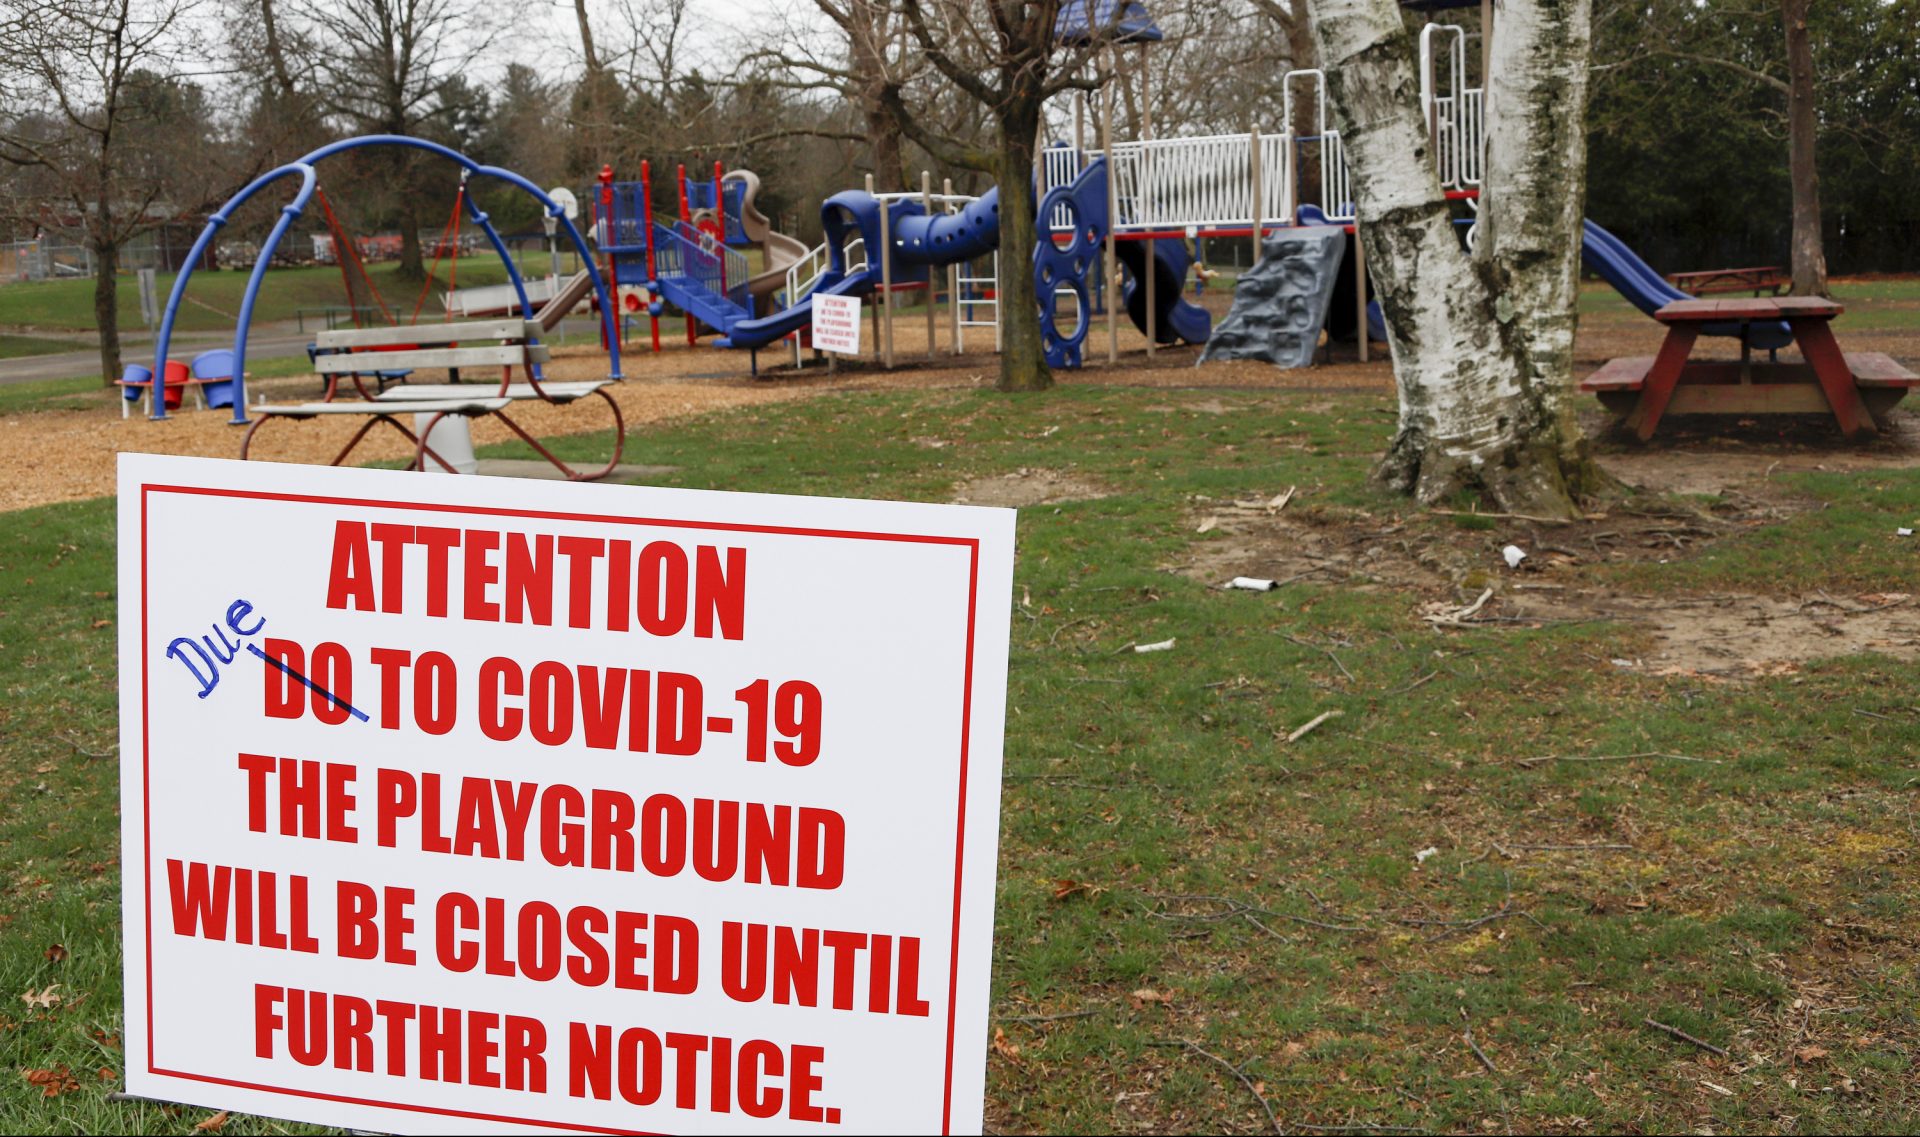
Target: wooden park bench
479, 345
1857, 388
1769, 279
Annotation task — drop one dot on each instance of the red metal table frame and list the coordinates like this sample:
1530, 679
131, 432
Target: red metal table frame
1809, 317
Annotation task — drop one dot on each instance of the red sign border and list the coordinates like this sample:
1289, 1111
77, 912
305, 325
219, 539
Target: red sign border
971, 544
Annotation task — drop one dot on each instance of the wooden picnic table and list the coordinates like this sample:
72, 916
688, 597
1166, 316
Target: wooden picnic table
1854, 387
1768, 278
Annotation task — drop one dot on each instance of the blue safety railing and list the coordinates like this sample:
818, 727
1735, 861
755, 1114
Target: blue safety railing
684, 251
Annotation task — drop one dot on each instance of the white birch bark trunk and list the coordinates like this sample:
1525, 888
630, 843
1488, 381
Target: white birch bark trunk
1482, 344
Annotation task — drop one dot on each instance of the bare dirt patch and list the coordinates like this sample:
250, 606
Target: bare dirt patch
1457, 569
1025, 487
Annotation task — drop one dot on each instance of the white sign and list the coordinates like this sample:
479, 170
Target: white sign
836, 324
469, 804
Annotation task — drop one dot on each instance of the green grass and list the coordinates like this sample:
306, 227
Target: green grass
68, 304
19, 347
1175, 878
1876, 304
1850, 542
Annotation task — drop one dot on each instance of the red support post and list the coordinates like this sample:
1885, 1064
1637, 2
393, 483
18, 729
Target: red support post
646, 226
719, 202
607, 226
686, 218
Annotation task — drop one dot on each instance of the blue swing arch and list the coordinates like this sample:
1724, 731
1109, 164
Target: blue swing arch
303, 168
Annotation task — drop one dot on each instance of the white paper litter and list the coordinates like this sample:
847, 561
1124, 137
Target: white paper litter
1253, 584
1163, 645
1514, 554
1420, 857
1903, 532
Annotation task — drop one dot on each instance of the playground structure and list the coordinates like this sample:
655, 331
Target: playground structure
1139, 203
694, 261
398, 350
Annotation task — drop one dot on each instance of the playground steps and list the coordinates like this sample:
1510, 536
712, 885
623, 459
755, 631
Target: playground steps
691, 296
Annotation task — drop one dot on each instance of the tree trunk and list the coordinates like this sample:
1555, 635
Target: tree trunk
412, 267
889, 165
1482, 345
106, 305
276, 55
1809, 250
866, 48
1023, 356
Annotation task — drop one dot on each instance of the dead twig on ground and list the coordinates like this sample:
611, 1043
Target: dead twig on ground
1035, 1020
1459, 618
1538, 759
1420, 682
1467, 1035
1685, 1037
1359, 1127
1238, 1074
1520, 516
1070, 623
1326, 651
1313, 724
84, 752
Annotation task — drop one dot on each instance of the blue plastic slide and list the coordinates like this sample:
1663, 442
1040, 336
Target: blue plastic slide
1634, 279
1176, 319
920, 241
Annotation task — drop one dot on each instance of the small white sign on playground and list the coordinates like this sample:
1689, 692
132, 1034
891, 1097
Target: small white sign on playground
477, 804
836, 324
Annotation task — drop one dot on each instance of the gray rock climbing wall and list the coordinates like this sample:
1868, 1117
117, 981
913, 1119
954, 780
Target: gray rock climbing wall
1281, 302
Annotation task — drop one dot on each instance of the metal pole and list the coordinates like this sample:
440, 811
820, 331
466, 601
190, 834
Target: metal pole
953, 274
1146, 195
886, 282
1259, 190
926, 203
1112, 264
646, 227
1360, 284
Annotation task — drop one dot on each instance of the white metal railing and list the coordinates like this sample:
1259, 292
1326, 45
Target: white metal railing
1336, 180
969, 318
1454, 112
803, 276
1207, 182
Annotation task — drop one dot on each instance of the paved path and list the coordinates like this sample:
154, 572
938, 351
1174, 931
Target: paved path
268, 341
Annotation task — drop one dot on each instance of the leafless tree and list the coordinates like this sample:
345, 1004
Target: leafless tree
862, 62
384, 67
96, 131
1005, 56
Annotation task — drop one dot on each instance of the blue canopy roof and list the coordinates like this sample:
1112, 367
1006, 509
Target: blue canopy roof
1121, 21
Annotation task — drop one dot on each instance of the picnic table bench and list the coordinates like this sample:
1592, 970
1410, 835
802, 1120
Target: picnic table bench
1769, 279
1857, 388
508, 344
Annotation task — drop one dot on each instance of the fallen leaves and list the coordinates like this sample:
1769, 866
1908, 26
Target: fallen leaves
44, 999
213, 1124
1810, 1053
1066, 887
1147, 996
56, 953
1003, 1047
52, 1083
